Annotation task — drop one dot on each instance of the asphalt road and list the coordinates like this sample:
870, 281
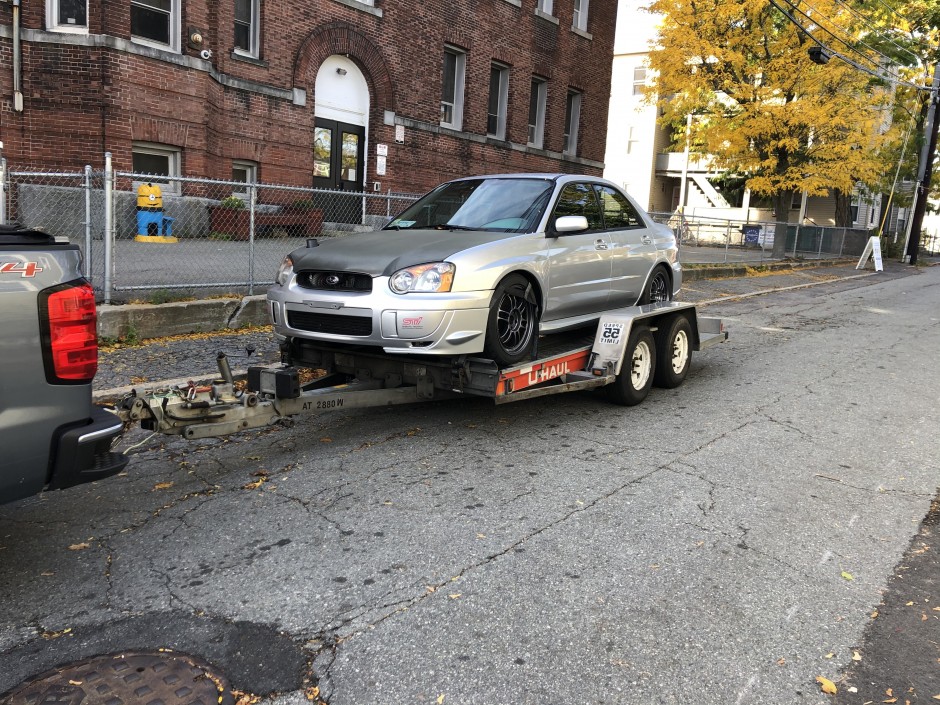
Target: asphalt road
724, 542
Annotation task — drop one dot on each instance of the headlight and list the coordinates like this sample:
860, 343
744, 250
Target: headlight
429, 278
285, 271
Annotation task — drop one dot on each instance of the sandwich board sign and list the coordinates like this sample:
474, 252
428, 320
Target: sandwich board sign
872, 250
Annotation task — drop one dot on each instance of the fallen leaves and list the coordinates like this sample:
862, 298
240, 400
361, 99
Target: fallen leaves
454, 595
826, 685
79, 546
847, 576
163, 486
856, 656
440, 699
257, 483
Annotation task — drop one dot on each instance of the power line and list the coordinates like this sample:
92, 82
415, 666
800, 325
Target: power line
817, 21
851, 62
867, 20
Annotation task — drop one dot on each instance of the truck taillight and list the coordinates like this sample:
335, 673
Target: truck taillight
69, 332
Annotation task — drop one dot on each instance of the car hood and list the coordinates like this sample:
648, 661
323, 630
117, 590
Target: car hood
384, 252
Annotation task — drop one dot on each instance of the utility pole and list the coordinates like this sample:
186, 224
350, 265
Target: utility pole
924, 171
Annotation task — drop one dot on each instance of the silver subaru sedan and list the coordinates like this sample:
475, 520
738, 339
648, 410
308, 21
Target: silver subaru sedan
480, 266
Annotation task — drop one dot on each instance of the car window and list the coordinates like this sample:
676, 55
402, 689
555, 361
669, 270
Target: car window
619, 213
498, 204
579, 199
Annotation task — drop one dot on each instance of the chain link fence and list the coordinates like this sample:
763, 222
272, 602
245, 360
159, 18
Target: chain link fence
204, 237
187, 237
721, 240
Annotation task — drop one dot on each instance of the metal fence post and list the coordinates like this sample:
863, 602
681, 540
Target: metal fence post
108, 226
252, 201
727, 240
822, 236
88, 221
842, 244
796, 237
3, 189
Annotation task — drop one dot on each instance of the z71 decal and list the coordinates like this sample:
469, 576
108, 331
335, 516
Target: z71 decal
24, 269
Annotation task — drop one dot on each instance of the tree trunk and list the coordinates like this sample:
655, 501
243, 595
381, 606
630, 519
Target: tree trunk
781, 215
843, 208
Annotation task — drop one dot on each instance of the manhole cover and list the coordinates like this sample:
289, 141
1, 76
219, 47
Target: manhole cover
157, 678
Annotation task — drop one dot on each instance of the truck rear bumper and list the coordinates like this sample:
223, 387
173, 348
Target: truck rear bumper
83, 453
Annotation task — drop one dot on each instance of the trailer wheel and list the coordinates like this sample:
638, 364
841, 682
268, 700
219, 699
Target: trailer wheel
674, 354
512, 323
636, 373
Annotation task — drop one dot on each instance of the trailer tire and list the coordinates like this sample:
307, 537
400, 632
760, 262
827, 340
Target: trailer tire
513, 322
674, 352
637, 371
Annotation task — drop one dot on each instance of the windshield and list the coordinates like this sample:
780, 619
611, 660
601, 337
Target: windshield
502, 205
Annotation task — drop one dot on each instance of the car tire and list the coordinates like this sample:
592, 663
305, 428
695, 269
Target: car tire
637, 371
673, 352
513, 322
658, 288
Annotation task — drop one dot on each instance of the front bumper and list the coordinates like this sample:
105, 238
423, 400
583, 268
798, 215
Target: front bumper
443, 324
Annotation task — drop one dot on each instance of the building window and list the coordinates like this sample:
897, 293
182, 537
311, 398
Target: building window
156, 22
854, 208
244, 173
247, 22
455, 62
537, 100
580, 19
639, 80
67, 15
545, 6
499, 97
151, 161
572, 116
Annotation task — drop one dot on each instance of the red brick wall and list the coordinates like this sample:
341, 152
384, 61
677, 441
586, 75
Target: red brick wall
81, 101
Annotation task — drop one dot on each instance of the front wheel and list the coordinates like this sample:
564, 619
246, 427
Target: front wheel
674, 352
636, 373
512, 323
657, 288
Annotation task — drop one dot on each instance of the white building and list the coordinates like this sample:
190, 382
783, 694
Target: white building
638, 155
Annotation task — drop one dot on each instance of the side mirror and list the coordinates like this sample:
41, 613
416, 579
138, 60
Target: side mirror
571, 224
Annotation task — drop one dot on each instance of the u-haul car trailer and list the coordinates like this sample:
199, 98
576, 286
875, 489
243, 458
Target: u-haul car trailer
632, 349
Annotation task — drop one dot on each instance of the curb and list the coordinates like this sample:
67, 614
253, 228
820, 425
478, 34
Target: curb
144, 321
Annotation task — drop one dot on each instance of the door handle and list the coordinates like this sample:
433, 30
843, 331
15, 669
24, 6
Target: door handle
600, 244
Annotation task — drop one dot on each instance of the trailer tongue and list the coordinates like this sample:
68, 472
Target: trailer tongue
632, 348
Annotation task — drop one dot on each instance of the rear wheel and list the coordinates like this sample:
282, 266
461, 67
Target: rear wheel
674, 353
657, 288
636, 373
512, 323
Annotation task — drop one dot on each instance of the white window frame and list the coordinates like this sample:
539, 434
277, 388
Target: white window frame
639, 80
53, 24
254, 32
580, 18
536, 136
173, 163
460, 70
545, 6
251, 173
572, 121
174, 28
502, 101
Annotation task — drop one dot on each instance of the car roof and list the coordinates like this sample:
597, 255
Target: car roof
563, 178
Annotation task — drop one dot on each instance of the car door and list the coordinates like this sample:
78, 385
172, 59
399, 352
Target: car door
579, 268
633, 248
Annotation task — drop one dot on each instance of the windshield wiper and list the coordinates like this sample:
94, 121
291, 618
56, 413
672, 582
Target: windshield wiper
451, 226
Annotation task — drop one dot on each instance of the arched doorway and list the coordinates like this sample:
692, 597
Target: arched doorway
341, 116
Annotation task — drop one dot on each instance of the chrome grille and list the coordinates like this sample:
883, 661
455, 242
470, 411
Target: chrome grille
335, 281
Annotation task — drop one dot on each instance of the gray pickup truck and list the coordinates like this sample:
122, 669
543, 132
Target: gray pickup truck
51, 435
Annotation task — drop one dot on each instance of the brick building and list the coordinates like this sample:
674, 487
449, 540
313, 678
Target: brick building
357, 94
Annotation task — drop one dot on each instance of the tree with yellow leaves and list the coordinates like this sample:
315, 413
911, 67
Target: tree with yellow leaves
763, 109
